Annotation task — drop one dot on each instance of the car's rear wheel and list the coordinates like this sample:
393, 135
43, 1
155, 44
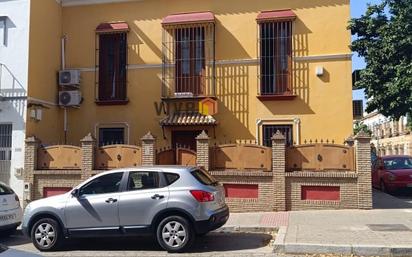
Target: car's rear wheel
46, 234
175, 234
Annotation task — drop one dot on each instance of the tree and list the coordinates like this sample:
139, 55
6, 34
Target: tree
384, 39
359, 126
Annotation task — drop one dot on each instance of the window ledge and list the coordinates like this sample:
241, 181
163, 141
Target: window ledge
112, 102
191, 98
283, 97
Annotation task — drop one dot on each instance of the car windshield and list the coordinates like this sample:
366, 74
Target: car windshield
399, 163
204, 178
5, 190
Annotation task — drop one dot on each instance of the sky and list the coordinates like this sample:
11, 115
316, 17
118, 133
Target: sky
358, 7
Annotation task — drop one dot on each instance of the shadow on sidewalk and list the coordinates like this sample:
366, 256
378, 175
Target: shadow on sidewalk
216, 242
15, 239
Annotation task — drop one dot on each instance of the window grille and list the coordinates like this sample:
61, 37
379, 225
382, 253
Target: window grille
111, 136
188, 60
111, 61
275, 55
357, 109
270, 130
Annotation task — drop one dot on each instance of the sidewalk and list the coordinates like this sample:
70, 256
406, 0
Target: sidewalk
384, 232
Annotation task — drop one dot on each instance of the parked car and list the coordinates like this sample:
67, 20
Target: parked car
173, 203
390, 173
10, 210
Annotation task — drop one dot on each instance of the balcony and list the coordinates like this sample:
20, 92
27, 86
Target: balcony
10, 87
188, 70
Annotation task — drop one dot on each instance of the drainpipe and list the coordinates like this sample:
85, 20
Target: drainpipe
63, 66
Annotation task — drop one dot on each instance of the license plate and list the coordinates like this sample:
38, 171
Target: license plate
7, 217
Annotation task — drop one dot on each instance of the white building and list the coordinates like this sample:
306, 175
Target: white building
14, 42
391, 137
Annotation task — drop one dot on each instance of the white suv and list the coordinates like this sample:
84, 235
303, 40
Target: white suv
10, 210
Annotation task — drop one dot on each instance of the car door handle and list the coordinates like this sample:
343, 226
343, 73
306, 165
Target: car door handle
111, 200
157, 196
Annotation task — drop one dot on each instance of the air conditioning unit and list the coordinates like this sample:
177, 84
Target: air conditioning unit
70, 98
69, 77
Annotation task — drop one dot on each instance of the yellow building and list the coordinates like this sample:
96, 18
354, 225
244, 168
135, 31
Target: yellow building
145, 66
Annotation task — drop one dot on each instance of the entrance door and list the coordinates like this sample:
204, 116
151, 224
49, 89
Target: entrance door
5, 152
186, 139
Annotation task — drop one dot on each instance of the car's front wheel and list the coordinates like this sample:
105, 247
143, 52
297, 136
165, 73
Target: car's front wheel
175, 234
384, 188
46, 234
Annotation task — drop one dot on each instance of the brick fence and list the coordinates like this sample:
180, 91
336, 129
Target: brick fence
246, 190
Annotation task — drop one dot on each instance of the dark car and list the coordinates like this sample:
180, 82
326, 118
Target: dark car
393, 172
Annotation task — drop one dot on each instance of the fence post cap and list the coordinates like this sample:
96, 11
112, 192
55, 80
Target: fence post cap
350, 140
278, 136
202, 135
87, 138
148, 137
31, 139
362, 135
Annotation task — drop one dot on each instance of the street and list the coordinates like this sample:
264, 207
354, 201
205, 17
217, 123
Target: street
228, 243
213, 244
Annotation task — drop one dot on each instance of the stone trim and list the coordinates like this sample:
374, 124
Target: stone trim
246, 173
325, 174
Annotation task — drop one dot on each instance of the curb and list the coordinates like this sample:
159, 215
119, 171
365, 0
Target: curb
240, 229
358, 250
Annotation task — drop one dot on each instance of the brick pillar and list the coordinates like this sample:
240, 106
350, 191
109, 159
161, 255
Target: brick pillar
363, 167
30, 165
278, 169
148, 149
202, 149
88, 155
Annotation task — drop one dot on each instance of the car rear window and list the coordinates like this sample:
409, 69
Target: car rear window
171, 178
5, 190
203, 177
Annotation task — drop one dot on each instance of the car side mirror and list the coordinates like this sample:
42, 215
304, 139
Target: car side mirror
75, 192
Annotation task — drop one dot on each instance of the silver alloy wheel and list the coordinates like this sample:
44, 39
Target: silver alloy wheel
174, 234
45, 235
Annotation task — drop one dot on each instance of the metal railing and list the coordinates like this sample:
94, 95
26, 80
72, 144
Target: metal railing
10, 87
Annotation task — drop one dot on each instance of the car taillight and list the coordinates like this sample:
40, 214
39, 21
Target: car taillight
202, 196
17, 198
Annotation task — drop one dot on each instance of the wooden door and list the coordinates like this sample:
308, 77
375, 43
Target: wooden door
186, 139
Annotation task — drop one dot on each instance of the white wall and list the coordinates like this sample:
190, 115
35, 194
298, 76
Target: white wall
14, 54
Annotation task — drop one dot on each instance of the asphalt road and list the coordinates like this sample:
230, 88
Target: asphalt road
399, 200
213, 244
